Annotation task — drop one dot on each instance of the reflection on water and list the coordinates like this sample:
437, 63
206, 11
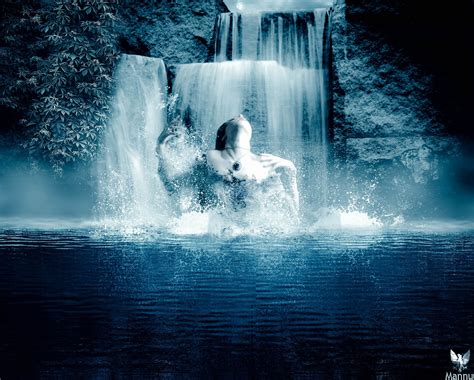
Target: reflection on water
387, 304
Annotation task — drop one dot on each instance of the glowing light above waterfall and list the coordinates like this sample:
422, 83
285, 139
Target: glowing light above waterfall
250, 6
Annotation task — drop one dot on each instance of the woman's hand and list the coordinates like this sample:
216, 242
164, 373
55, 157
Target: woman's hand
169, 138
272, 162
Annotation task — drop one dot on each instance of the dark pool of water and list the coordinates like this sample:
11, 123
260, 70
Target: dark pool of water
337, 305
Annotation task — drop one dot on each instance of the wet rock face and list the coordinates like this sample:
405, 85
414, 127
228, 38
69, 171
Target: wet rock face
178, 31
400, 99
394, 177
379, 92
419, 156
400, 68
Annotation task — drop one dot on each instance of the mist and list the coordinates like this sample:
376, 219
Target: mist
31, 192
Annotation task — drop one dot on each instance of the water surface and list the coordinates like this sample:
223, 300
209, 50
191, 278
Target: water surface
341, 304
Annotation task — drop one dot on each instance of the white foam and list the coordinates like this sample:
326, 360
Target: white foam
191, 223
331, 218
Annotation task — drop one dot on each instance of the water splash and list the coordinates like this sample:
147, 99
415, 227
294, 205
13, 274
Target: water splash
332, 218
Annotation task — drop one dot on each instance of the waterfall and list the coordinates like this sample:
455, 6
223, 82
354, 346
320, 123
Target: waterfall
271, 67
129, 188
298, 39
282, 103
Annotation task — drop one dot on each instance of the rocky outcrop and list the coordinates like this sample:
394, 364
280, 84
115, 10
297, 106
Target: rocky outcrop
419, 157
380, 90
178, 31
399, 101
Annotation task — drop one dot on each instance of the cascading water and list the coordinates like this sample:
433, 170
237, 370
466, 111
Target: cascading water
273, 69
130, 190
292, 39
281, 102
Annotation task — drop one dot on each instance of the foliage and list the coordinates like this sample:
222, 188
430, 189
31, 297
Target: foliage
68, 77
16, 36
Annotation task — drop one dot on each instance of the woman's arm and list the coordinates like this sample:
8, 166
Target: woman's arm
290, 184
288, 175
169, 183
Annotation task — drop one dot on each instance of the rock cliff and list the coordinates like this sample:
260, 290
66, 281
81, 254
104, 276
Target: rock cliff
178, 31
401, 88
400, 68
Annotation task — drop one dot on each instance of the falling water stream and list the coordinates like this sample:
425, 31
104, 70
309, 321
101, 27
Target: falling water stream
130, 189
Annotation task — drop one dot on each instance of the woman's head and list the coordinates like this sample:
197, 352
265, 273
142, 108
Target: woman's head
236, 131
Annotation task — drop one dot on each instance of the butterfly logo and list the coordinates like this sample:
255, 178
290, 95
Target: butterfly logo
460, 362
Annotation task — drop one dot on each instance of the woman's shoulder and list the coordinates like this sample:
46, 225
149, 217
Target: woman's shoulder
212, 153
213, 156
214, 160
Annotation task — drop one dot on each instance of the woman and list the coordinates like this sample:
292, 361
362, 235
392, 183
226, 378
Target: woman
229, 177
244, 174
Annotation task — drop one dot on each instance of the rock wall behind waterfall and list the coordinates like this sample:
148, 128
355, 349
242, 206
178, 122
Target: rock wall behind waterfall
178, 31
402, 67
402, 85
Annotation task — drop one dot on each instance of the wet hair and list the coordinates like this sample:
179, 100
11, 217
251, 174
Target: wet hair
221, 136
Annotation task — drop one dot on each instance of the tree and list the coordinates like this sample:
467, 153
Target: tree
68, 77
16, 39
